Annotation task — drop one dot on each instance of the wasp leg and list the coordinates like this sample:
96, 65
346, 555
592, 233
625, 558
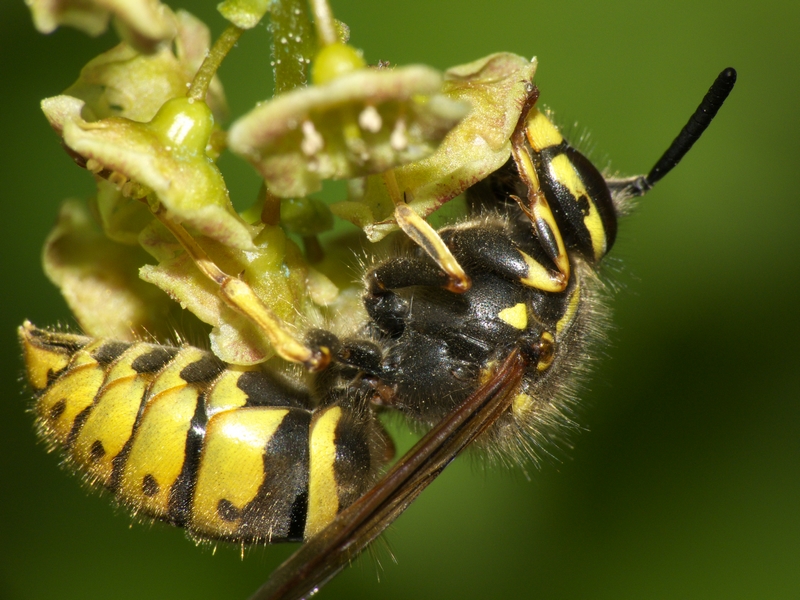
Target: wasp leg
487, 249
426, 237
356, 364
537, 208
483, 249
524, 141
387, 310
356, 353
240, 296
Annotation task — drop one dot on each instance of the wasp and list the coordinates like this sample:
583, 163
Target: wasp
480, 330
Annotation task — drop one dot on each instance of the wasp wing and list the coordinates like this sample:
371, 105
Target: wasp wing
327, 553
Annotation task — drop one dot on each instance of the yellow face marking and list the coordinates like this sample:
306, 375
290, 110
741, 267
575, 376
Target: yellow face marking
541, 278
67, 398
158, 448
226, 395
564, 172
572, 309
541, 133
323, 494
232, 465
516, 316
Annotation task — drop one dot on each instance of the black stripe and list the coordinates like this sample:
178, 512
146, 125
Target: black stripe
109, 352
279, 510
155, 360
204, 370
77, 424
182, 491
267, 388
352, 464
56, 341
298, 517
118, 462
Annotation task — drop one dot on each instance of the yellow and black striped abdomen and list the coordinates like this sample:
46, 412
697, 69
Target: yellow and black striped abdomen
232, 453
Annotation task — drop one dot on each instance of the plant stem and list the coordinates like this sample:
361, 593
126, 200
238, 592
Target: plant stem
293, 43
213, 60
324, 22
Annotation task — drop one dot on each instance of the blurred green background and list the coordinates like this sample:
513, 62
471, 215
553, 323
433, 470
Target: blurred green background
685, 484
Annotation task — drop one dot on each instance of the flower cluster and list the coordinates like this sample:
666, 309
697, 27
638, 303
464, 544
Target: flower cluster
147, 119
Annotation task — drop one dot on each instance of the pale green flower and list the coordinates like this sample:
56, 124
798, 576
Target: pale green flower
363, 122
165, 156
144, 24
495, 87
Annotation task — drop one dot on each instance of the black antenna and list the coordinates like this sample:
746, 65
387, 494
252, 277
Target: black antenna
690, 133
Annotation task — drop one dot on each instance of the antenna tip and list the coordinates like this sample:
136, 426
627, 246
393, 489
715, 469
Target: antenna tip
725, 80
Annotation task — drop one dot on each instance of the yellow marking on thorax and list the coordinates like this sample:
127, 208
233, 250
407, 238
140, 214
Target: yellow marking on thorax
564, 172
541, 133
232, 465
323, 493
516, 316
226, 394
521, 404
572, 309
486, 372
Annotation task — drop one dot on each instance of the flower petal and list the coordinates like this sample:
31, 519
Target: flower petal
125, 83
122, 218
99, 279
366, 121
144, 24
176, 169
495, 87
245, 14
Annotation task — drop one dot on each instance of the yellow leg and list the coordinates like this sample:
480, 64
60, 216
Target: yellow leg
425, 236
538, 210
240, 296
